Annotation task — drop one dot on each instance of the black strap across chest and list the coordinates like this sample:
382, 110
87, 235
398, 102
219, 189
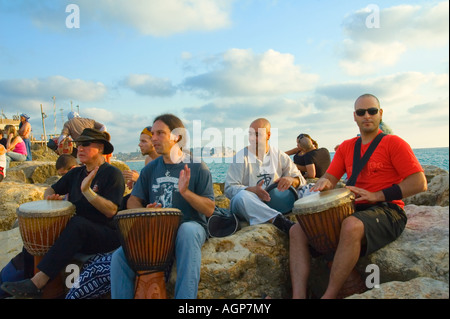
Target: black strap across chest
358, 161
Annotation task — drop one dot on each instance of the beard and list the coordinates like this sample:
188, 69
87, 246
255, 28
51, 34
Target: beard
367, 129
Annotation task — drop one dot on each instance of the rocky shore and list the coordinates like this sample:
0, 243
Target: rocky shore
255, 260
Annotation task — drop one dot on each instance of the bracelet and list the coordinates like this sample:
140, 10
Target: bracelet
392, 193
90, 194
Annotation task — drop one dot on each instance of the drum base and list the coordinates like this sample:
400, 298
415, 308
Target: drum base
353, 285
150, 286
54, 289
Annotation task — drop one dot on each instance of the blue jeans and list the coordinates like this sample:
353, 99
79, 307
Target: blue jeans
15, 157
28, 145
188, 253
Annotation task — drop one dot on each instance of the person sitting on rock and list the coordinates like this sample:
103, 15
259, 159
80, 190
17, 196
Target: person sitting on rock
65, 163
16, 150
22, 265
254, 168
96, 189
191, 190
298, 151
392, 173
148, 150
314, 161
2, 162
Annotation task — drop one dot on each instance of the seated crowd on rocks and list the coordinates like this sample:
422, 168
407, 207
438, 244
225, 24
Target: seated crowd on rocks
172, 179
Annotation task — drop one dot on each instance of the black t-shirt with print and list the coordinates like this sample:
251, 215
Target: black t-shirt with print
108, 183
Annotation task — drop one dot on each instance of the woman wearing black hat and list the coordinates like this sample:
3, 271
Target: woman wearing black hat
96, 189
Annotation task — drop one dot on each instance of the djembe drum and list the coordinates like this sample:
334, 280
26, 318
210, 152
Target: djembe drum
40, 223
320, 215
281, 201
148, 239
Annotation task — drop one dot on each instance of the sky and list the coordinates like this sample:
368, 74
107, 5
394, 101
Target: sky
218, 65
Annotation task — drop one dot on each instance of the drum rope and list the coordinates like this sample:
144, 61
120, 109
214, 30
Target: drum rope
39, 234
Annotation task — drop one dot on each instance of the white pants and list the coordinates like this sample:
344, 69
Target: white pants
247, 206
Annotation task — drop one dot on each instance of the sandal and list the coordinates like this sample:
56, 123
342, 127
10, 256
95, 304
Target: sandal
22, 289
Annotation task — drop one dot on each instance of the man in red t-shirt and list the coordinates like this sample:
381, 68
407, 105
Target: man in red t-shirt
392, 173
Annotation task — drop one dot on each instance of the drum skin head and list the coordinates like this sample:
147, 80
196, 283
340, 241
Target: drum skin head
321, 201
45, 208
281, 201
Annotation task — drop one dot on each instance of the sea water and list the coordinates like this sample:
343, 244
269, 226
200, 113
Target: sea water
427, 156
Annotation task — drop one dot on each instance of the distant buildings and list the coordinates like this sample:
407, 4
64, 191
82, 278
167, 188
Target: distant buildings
215, 152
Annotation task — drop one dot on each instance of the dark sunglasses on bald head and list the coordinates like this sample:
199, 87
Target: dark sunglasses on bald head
371, 111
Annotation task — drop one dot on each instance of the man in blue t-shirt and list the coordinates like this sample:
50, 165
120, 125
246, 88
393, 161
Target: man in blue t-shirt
172, 180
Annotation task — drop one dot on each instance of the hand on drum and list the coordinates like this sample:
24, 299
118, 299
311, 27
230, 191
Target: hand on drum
86, 184
154, 205
363, 195
322, 184
258, 190
55, 197
284, 183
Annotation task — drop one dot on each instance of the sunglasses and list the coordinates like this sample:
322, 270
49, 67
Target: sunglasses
371, 111
86, 144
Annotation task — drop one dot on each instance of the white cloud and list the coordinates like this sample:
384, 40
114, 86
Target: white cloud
363, 58
155, 17
389, 88
245, 73
401, 29
100, 115
45, 88
145, 84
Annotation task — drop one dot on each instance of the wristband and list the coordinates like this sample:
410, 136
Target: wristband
90, 194
392, 193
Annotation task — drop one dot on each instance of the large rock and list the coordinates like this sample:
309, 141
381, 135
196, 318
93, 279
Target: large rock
431, 171
421, 251
35, 172
221, 200
418, 288
436, 194
253, 261
31, 172
12, 195
10, 245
